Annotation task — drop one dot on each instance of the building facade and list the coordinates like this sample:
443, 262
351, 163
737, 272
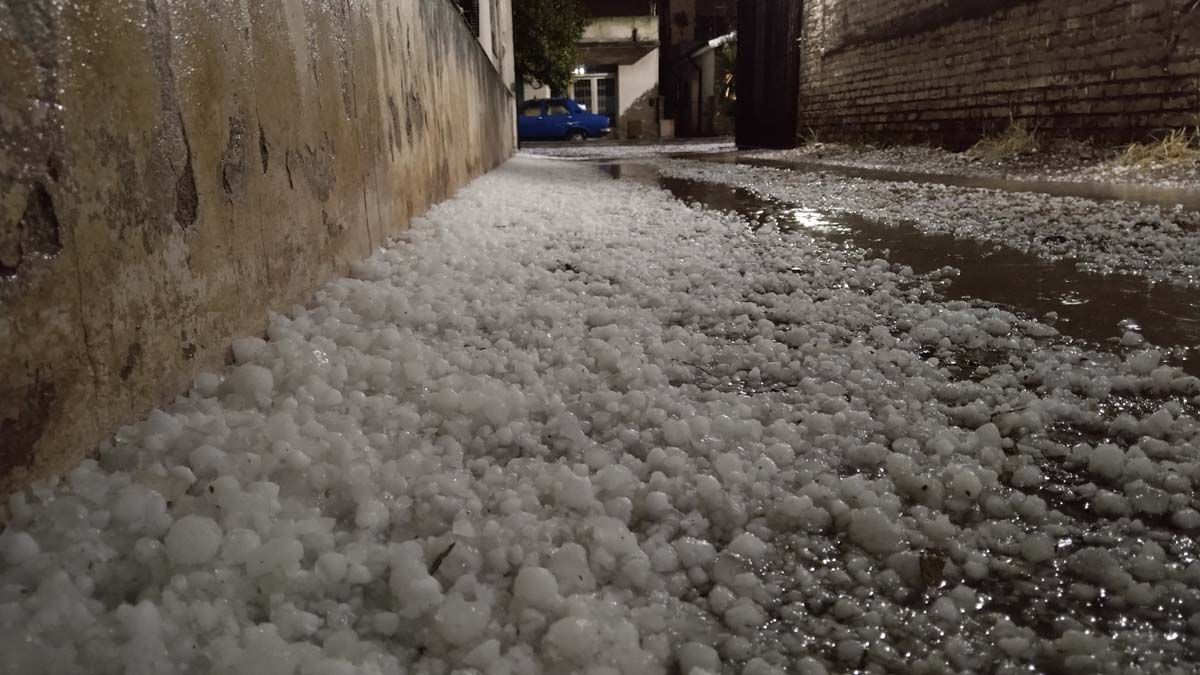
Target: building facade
618, 67
697, 38
491, 22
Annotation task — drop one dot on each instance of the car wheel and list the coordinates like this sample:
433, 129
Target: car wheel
577, 135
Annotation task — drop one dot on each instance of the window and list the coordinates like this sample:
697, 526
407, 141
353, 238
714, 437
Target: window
606, 96
470, 13
531, 110
597, 92
583, 93
557, 109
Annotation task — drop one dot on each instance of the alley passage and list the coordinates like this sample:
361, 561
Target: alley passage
574, 425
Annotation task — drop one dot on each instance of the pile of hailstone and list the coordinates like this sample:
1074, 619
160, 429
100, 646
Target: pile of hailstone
626, 437
1159, 243
629, 151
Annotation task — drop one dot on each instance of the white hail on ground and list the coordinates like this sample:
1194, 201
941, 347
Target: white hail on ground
572, 425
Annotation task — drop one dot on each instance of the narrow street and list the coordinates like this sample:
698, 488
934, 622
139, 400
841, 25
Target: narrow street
649, 414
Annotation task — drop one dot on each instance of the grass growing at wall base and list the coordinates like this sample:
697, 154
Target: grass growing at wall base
1017, 139
1180, 147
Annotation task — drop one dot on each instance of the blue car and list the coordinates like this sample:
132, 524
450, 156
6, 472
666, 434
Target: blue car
558, 118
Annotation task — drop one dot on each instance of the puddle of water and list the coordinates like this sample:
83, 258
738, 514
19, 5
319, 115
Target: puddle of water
1093, 307
1189, 199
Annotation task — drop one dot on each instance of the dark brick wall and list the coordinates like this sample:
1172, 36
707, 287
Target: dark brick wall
948, 71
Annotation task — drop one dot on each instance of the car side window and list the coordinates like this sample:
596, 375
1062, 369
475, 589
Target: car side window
531, 110
557, 109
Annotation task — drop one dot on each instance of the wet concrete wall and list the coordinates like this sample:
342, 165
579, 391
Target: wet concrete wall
170, 170
949, 71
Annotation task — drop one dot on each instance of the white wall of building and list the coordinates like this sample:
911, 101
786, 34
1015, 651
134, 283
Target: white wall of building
636, 79
496, 36
485, 30
502, 21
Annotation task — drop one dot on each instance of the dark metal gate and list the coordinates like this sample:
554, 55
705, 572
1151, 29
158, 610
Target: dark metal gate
768, 72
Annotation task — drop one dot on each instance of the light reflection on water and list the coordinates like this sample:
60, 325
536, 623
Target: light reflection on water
1096, 308
1048, 599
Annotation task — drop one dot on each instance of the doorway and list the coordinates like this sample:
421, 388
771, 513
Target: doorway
596, 92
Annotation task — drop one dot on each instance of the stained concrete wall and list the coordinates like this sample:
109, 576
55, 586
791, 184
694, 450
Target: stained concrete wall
170, 170
950, 71
637, 97
621, 28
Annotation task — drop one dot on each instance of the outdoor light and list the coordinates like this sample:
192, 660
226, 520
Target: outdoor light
579, 70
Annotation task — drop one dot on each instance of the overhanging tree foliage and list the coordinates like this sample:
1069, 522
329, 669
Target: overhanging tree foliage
545, 35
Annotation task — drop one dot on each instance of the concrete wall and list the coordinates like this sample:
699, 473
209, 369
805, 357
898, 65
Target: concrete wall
679, 21
170, 170
637, 98
502, 20
485, 29
949, 71
621, 28
496, 36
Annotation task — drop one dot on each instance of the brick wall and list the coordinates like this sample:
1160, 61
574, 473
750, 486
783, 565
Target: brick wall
948, 71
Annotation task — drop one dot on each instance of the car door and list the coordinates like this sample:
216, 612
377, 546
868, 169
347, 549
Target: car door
558, 119
531, 121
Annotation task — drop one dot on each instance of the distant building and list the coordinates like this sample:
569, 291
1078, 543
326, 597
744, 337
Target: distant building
491, 23
694, 79
618, 69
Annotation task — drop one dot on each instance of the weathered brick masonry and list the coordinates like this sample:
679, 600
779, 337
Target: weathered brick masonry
949, 71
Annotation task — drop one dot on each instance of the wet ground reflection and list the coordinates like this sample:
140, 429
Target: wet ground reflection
1093, 307
1147, 194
